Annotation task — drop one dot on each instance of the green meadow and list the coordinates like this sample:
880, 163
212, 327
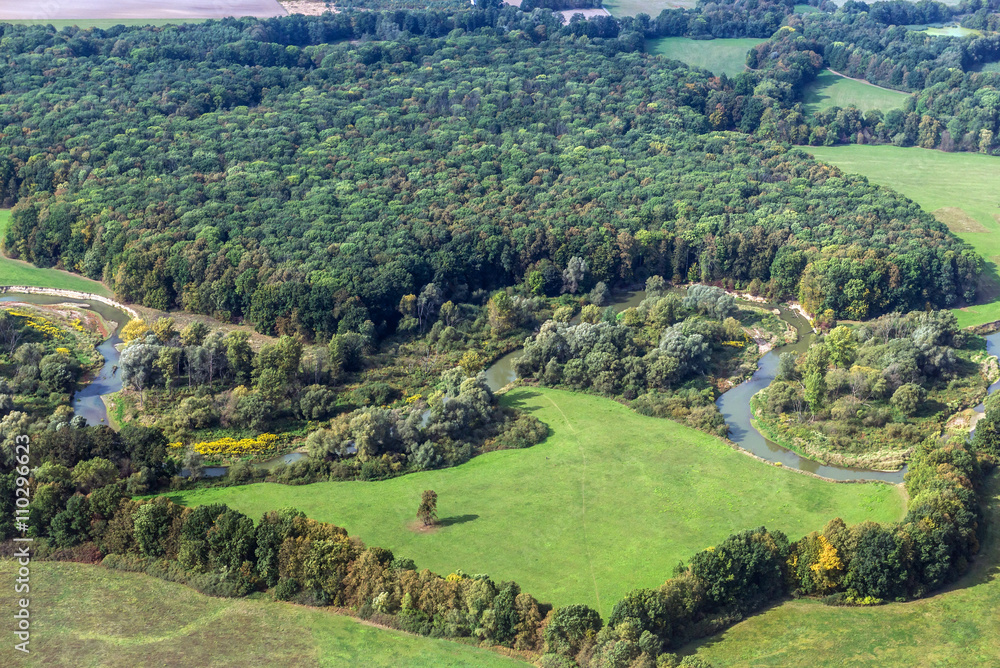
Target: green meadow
958, 627
16, 272
85, 616
960, 189
651, 7
611, 501
832, 90
715, 55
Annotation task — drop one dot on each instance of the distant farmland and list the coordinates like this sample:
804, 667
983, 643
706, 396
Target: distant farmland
138, 9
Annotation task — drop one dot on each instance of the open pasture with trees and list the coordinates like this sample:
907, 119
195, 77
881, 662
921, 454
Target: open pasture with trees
86, 615
960, 189
958, 627
719, 56
832, 90
610, 501
18, 272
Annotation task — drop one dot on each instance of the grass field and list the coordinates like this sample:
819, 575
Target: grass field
961, 189
958, 628
831, 90
91, 616
99, 23
651, 7
15, 272
610, 501
715, 55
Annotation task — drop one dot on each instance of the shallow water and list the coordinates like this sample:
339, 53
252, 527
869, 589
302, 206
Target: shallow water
87, 402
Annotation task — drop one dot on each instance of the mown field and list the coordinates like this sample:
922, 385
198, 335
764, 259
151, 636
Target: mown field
15, 272
956, 628
91, 616
959, 188
715, 55
137, 9
104, 24
832, 90
651, 7
609, 502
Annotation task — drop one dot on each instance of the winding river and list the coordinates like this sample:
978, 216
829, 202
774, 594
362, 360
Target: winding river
733, 404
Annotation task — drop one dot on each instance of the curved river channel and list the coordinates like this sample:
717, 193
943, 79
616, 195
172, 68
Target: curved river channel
733, 404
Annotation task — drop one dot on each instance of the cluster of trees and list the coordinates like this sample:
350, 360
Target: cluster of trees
214, 378
659, 354
462, 419
268, 183
870, 388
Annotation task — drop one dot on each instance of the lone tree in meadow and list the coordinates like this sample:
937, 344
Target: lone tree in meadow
427, 512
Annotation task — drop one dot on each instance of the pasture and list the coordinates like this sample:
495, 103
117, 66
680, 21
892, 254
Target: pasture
715, 55
16, 272
960, 189
832, 90
611, 501
85, 615
621, 8
48, 12
958, 627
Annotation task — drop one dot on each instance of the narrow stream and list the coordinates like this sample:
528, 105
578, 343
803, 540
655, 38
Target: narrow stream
87, 402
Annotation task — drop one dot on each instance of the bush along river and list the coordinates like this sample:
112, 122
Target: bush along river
89, 401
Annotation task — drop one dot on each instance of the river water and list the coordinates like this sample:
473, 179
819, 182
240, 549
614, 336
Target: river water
87, 402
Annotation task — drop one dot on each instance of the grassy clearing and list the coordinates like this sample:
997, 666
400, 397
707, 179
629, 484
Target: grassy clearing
957, 628
15, 272
952, 31
832, 90
104, 24
652, 7
91, 616
805, 9
715, 55
961, 189
610, 501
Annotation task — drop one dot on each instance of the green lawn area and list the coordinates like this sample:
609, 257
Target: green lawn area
90, 616
831, 90
15, 272
98, 23
651, 7
958, 628
805, 9
961, 189
609, 502
715, 55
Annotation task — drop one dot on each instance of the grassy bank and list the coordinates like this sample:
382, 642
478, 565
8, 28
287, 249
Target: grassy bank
610, 501
16, 272
958, 627
715, 55
91, 616
833, 90
958, 188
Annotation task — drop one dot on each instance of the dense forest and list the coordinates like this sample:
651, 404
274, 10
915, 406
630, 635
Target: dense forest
259, 171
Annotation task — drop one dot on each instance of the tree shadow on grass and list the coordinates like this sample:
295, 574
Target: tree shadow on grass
457, 519
519, 397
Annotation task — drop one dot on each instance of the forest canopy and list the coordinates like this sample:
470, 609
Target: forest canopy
269, 171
